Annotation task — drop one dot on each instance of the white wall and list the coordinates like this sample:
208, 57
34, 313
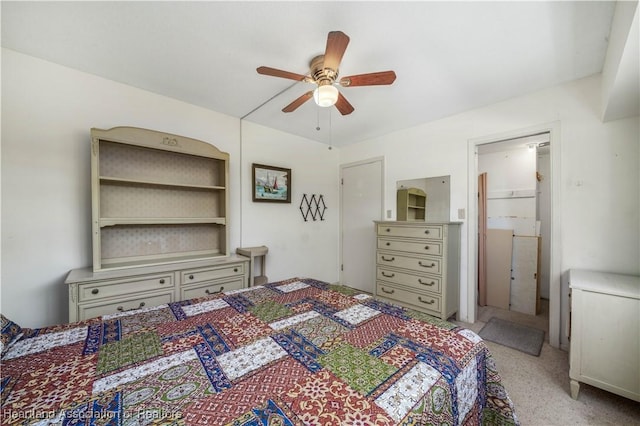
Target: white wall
47, 111
296, 248
599, 181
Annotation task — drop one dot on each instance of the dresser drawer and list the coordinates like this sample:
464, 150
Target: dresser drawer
208, 274
424, 247
432, 232
421, 301
91, 310
432, 265
211, 288
418, 282
103, 289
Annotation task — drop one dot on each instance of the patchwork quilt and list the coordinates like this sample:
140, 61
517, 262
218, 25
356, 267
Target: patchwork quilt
294, 352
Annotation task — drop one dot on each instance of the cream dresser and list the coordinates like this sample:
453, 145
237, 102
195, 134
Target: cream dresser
92, 294
159, 224
418, 265
605, 332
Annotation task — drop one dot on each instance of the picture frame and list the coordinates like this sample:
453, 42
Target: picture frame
271, 184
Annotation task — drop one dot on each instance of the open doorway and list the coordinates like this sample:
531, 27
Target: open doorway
555, 258
514, 223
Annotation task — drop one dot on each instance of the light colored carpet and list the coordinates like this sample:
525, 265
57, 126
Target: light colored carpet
539, 386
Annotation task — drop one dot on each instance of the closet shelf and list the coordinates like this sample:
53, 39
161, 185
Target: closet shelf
508, 194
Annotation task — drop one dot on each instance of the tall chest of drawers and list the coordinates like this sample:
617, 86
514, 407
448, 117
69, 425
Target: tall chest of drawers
418, 265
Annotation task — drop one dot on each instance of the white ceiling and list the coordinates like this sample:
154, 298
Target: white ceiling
449, 57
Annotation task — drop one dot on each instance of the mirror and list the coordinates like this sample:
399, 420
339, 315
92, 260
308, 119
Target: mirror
438, 190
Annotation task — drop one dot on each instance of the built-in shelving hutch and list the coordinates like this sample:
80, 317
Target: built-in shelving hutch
157, 198
159, 224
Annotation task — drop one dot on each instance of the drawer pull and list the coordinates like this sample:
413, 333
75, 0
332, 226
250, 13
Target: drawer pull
121, 309
190, 277
429, 284
388, 243
426, 266
162, 281
426, 231
387, 291
95, 291
388, 229
426, 247
388, 260
384, 274
214, 292
235, 269
430, 302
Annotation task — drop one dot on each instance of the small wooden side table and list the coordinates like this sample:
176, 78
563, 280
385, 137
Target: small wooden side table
252, 253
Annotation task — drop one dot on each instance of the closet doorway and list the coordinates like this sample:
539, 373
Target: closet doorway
513, 224
550, 263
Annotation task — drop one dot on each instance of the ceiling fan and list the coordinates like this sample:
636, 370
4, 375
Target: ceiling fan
324, 74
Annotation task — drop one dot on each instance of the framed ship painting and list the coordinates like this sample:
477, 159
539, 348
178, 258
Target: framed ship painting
271, 184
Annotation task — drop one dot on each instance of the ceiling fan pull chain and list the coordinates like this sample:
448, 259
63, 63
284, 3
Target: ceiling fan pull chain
330, 132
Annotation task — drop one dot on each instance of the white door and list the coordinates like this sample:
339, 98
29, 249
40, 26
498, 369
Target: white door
361, 204
524, 278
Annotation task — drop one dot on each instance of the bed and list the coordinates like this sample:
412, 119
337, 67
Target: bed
293, 352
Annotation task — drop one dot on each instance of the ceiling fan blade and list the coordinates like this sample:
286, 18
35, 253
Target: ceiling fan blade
371, 79
337, 42
279, 73
343, 105
299, 101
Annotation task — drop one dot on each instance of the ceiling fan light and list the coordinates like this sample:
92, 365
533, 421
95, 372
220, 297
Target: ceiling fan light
326, 95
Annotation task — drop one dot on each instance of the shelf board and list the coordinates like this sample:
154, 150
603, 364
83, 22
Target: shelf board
114, 221
119, 263
508, 194
114, 180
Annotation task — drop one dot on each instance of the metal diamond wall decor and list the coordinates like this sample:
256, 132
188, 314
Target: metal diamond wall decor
314, 207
